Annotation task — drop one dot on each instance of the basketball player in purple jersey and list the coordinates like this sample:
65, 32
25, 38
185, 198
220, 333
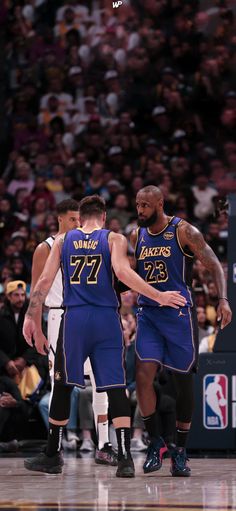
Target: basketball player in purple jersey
164, 249
90, 326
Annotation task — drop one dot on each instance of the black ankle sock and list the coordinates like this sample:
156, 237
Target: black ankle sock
181, 437
123, 439
54, 440
151, 424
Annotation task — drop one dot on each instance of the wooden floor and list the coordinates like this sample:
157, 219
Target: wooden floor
86, 486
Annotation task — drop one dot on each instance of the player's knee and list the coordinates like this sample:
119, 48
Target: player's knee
144, 377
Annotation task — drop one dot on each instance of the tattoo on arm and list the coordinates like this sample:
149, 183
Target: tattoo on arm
200, 248
36, 300
205, 254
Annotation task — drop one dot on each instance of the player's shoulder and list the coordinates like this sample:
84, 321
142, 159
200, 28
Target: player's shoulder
116, 237
189, 236
187, 227
43, 248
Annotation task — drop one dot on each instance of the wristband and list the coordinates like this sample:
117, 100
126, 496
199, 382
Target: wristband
223, 298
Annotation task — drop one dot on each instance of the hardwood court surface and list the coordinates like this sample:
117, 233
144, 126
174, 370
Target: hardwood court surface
86, 486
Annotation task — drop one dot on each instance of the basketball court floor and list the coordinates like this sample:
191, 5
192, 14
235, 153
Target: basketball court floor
86, 486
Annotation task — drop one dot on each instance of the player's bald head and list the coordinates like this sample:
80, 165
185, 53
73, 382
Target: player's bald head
152, 190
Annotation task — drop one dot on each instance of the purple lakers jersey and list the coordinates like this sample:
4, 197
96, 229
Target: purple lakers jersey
163, 263
88, 277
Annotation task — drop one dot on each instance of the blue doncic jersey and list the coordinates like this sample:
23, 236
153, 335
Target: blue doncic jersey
88, 277
162, 262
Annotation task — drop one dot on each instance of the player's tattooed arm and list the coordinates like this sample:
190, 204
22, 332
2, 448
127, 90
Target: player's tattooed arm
191, 238
37, 299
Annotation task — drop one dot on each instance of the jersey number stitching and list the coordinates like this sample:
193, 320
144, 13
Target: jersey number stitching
80, 261
150, 267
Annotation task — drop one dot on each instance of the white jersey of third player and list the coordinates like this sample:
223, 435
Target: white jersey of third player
55, 295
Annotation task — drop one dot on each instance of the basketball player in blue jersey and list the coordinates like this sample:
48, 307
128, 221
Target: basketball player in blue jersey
164, 249
90, 326
68, 218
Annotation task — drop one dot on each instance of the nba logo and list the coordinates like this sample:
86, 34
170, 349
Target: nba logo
215, 401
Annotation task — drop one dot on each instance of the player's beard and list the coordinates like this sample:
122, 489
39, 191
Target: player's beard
148, 222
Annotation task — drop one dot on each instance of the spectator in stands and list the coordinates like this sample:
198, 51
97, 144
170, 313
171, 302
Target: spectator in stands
204, 328
15, 353
203, 196
121, 209
23, 179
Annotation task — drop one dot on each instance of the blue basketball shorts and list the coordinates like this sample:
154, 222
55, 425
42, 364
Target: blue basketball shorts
94, 332
168, 336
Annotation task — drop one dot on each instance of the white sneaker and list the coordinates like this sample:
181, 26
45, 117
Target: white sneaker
71, 435
87, 445
69, 445
137, 445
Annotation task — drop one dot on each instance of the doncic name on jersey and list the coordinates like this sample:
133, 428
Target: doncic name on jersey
215, 401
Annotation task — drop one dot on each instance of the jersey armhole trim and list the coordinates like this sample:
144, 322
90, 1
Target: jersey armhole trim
136, 243
191, 256
45, 241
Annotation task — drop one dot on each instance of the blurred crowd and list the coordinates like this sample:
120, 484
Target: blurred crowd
104, 100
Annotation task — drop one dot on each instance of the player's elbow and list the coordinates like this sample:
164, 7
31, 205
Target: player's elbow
121, 273
44, 282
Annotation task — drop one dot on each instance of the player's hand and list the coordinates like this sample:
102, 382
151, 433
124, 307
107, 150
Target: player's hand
224, 313
34, 336
172, 299
40, 342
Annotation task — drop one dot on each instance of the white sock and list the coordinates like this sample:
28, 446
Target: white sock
102, 430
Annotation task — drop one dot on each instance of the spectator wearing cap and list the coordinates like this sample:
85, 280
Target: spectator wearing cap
161, 124
75, 82
15, 353
116, 158
115, 94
